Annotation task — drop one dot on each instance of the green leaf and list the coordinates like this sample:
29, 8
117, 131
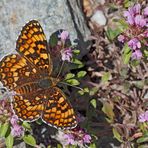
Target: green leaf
29, 139
69, 76
143, 139
26, 125
9, 140
126, 54
73, 82
59, 146
93, 103
53, 40
76, 51
117, 135
93, 91
112, 34
3, 129
108, 110
86, 90
76, 61
81, 74
81, 92
105, 77
92, 145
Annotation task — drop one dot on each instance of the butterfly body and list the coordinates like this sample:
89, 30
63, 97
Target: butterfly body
28, 74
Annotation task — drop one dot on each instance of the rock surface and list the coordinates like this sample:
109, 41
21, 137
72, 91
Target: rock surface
52, 15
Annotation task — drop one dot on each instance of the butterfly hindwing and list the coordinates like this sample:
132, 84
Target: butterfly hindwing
28, 107
58, 110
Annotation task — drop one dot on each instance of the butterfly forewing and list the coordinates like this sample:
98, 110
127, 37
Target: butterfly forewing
32, 45
16, 71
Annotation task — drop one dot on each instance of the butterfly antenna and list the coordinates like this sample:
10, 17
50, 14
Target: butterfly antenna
71, 85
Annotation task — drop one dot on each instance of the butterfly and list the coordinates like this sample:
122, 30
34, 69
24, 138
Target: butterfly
28, 74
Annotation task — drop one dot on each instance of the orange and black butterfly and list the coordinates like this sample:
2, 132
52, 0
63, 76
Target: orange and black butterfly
28, 74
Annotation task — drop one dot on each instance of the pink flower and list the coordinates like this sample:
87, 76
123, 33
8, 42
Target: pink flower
131, 13
145, 12
77, 137
87, 139
66, 54
140, 21
14, 120
134, 43
137, 54
121, 38
69, 139
17, 130
143, 117
64, 35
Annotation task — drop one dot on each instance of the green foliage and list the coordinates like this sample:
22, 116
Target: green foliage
73, 82
126, 54
76, 52
112, 34
29, 139
117, 135
143, 139
108, 110
78, 63
105, 77
69, 76
26, 125
53, 40
9, 140
81, 74
3, 129
92, 145
93, 103
83, 91
93, 91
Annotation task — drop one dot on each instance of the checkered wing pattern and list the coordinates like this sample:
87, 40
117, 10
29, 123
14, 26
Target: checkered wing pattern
32, 45
28, 75
58, 111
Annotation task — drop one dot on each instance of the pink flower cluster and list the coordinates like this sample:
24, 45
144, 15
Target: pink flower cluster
78, 137
16, 129
66, 53
136, 35
143, 117
135, 16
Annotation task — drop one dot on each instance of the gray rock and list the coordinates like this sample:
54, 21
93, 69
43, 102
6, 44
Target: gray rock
53, 15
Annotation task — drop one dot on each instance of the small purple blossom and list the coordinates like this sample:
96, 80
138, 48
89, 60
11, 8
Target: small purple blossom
134, 43
66, 54
87, 138
137, 54
143, 117
134, 16
131, 13
121, 38
77, 137
69, 139
145, 11
140, 20
17, 130
64, 35
14, 120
